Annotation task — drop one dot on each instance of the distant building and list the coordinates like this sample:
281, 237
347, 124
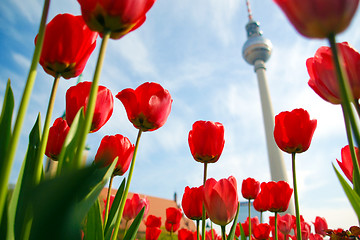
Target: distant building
157, 208
244, 211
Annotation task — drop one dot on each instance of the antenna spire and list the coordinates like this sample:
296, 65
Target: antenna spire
249, 10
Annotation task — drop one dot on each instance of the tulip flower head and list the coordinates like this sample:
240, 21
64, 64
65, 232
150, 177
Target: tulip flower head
77, 97
152, 233
148, 106
185, 234
115, 146
285, 223
173, 217
323, 78
320, 226
245, 225
134, 205
192, 202
294, 130
278, 195
56, 138
153, 221
346, 163
250, 188
319, 19
118, 17
68, 44
221, 200
262, 231
206, 141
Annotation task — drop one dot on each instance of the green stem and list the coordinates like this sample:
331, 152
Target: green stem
92, 100
171, 232
212, 231
249, 209
346, 94
197, 229
108, 200
203, 207
261, 217
126, 191
45, 134
223, 232
298, 226
10, 153
356, 171
125, 229
276, 226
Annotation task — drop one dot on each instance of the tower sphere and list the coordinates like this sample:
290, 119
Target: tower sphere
256, 47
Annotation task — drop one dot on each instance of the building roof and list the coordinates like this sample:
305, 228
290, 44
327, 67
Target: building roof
157, 208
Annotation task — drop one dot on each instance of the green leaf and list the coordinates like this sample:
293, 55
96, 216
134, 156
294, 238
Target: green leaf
242, 233
23, 214
233, 227
131, 233
94, 230
68, 150
5, 122
350, 193
115, 206
60, 203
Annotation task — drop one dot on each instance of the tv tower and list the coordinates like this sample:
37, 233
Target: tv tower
256, 51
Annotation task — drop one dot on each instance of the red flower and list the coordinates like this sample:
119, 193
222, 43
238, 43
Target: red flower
56, 138
305, 230
212, 235
323, 79
152, 233
261, 203
320, 18
250, 188
294, 130
68, 44
221, 200
320, 226
192, 202
148, 106
185, 234
134, 205
285, 223
206, 141
153, 221
173, 217
346, 163
315, 237
112, 147
245, 225
262, 231
278, 195
118, 17
77, 97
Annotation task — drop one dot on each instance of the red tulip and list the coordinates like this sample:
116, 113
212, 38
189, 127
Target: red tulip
285, 223
221, 200
212, 235
134, 205
323, 78
320, 18
185, 234
260, 203
112, 147
56, 138
237, 230
320, 226
245, 225
294, 130
118, 17
262, 231
173, 217
153, 221
315, 237
206, 141
250, 188
278, 195
346, 163
68, 44
192, 202
305, 230
152, 233
148, 106
77, 97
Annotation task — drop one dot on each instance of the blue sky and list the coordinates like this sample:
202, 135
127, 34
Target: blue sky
194, 49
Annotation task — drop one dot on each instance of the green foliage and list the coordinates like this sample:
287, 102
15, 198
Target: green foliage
94, 229
350, 193
233, 227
